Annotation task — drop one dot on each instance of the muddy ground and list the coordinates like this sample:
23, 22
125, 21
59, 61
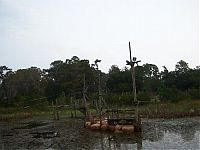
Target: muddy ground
45, 133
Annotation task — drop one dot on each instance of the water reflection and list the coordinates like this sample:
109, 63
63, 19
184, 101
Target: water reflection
119, 141
171, 134
156, 134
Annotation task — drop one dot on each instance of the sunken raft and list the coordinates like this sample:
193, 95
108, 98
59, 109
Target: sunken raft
116, 120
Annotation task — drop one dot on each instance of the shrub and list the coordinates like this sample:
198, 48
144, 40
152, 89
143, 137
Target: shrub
144, 96
194, 93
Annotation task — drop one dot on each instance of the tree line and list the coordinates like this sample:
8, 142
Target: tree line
64, 80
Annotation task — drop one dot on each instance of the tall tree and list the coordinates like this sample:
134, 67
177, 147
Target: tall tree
181, 67
4, 74
24, 82
151, 78
68, 76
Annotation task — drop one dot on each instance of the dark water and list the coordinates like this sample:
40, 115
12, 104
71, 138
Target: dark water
44, 133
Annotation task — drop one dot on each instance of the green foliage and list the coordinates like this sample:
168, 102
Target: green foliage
67, 77
122, 99
194, 93
119, 81
144, 96
174, 95
181, 67
64, 79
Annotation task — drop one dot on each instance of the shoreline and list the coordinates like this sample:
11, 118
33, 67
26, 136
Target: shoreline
161, 110
19, 116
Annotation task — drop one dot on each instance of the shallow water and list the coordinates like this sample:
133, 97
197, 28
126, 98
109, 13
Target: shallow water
44, 133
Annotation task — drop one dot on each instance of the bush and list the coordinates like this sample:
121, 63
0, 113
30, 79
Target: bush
144, 96
119, 99
174, 95
194, 93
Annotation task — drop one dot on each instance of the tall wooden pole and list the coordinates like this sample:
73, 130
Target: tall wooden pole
99, 90
85, 99
72, 107
132, 63
134, 85
57, 114
100, 100
130, 51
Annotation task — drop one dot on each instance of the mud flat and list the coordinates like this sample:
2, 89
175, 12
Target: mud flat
44, 133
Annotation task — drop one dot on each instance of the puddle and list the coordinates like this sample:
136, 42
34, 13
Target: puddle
44, 135
7, 135
32, 125
178, 123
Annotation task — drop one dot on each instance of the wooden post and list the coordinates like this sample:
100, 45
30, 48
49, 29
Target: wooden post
99, 90
132, 63
71, 104
156, 108
75, 108
100, 104
84, 97
97, 106
87, 113
57, 114
139, 140
53, 110
137, 113
134, 85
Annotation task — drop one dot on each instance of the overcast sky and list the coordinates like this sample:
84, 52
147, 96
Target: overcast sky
37, 32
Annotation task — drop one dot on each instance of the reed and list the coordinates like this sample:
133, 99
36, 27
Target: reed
153, 110
171, 110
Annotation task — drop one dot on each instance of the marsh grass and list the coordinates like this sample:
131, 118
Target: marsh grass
152, 110
171, 110
7, 114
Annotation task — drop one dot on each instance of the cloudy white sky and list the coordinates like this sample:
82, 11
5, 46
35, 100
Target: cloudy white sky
37, 32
